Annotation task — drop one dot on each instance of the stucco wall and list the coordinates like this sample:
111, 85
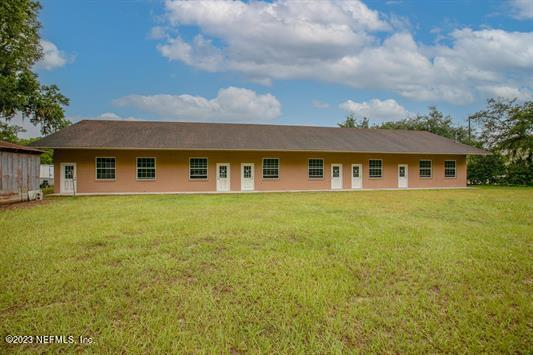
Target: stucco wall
173, 170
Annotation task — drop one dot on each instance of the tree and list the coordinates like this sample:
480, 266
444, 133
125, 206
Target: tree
519, 172
488, 169
9, 132
46, 158
352, 122
507, 127
20, 90
434, 122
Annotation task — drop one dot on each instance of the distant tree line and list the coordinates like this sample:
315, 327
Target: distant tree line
503, 127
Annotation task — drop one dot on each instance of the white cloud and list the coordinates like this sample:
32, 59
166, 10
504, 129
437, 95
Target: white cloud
230, 104
319, 104
488, 51
522, 9
52, 57
285, 31
375, 109
336, 41
157, 32
507, 92
200, 53
109, 115
114, 116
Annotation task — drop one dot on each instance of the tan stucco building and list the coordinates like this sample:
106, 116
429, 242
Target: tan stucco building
168, 157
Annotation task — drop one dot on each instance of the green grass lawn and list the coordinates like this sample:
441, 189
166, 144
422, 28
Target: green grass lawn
376, 271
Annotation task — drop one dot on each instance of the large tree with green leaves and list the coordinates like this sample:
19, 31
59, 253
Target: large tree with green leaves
507, 127
434, 121
20, 89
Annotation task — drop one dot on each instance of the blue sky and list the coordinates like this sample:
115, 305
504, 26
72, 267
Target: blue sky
285, 63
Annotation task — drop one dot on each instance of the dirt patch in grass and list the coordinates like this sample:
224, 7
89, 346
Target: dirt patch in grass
24, 204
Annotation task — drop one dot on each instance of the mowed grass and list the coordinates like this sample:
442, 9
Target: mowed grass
377, 271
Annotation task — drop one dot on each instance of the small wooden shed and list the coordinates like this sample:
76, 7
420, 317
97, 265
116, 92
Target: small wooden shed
19, 171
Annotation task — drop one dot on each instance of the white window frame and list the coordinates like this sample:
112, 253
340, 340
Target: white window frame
309, 168
430, 169
370, 169
263, 169
96, 168
137, 169
454, 169
207, 169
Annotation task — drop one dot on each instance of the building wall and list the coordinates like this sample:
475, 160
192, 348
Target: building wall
46, 176
172, 170
19, 174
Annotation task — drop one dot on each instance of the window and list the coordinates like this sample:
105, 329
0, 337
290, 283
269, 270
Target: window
146, 168
375, 168
198, 168
425, 168
270, 168
449, 168
105, 168
401, 173
69, 172
247, 172
355, 171
222, 171
316, 168
336, 171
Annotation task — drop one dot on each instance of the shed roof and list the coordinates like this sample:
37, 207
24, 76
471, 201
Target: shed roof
107, 134
11, 147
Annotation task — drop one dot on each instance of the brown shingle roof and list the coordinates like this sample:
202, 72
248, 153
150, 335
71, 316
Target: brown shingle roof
224, 136
11, 147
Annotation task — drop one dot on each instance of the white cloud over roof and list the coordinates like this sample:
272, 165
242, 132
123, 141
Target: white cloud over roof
375, 109
230, 104
348, 43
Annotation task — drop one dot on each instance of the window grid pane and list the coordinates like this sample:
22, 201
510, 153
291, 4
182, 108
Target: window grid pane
375, 168
316, 168
402, 171
145, 168
449, 168
271, 168
105, 168
198, 168
69, 172
247, 172
223, 171
425, 168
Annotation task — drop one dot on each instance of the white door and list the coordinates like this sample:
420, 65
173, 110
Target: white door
403, 176
357, 176
336, 176
223, 179
247, 177
68, 178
